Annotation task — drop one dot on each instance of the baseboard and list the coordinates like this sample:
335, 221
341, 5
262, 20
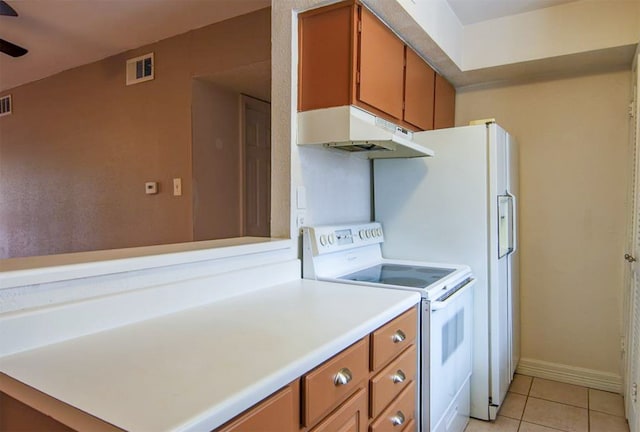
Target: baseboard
571, 375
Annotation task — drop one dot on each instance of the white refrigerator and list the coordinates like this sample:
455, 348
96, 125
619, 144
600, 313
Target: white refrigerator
461, 206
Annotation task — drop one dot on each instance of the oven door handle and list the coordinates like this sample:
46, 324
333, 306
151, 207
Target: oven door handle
437, 304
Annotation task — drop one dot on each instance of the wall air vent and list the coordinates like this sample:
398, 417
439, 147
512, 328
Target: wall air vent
140, 69
5, 105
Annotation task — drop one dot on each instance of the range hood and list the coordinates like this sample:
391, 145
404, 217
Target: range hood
352, 129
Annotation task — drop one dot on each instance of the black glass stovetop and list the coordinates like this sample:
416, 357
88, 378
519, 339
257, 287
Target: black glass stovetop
401, 275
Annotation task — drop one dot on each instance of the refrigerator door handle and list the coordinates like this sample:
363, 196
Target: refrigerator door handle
514, 241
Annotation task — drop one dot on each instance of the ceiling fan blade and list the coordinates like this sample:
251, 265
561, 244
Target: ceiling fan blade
12, 49
7, 10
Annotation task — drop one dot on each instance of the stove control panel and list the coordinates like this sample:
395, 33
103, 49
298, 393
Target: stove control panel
333, 238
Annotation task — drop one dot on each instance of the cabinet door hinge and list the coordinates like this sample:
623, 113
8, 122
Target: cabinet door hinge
632, 109
358, 77
359, 26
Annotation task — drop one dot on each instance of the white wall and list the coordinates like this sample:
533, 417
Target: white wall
216, 160
573, 137
570, 28
337, 186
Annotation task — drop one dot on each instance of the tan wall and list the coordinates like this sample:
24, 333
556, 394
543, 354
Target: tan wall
217, 195
75, 154
573, 137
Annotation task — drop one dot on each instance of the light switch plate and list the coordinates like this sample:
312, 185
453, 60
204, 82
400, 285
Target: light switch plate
301, 197
177, 187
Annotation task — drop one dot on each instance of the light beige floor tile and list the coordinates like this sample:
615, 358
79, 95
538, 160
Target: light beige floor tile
513, 405
559, 392
556, 415
606, 402
530, 427
501, 424
520, 384
600, 422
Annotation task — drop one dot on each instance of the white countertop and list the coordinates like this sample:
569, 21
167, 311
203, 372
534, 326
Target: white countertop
197, 368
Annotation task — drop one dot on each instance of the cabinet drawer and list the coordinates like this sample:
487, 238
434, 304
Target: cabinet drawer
333, 381
274, 414
399, 413
390, 381
350, 416
410, 427
392, 338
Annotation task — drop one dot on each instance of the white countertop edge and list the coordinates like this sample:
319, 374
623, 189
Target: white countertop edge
18, 272
250, 396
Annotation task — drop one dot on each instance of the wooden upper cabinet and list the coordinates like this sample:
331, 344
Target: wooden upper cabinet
381, 66
419, 91
326, 63
445, 104
347, 56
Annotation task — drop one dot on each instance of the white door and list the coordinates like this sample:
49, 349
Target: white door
632, 403
257, 167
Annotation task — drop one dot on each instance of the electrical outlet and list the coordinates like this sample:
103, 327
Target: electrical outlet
151, 188
300, 216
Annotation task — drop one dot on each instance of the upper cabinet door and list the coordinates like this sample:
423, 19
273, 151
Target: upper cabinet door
326, 56
445, 105
419, 91
381, 66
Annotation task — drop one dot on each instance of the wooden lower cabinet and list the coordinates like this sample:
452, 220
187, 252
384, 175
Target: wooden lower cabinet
333, 381
369, 386
16, 416
277, 413
397, 415
351, 416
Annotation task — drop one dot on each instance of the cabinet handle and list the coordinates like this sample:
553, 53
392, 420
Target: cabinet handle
398, 336
343, 377
398, 377
398, 419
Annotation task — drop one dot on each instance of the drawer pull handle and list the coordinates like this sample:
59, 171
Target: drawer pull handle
398, 336
398, 377
343, 377
398, 419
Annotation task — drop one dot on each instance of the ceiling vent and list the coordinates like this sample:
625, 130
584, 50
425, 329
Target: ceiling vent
5, 105
140, 69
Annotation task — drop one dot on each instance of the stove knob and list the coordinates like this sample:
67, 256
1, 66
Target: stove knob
331, 238
379, 232
369, 233
362, 234
323, 240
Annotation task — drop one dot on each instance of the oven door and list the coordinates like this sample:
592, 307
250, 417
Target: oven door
450, 359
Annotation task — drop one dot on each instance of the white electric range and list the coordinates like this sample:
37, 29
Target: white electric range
352, 254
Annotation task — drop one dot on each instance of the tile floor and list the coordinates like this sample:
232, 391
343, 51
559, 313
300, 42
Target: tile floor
539, 405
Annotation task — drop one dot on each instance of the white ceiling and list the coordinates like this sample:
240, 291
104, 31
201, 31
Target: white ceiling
474, 11
63, 34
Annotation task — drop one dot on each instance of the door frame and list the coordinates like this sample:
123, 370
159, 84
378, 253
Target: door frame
632, 271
